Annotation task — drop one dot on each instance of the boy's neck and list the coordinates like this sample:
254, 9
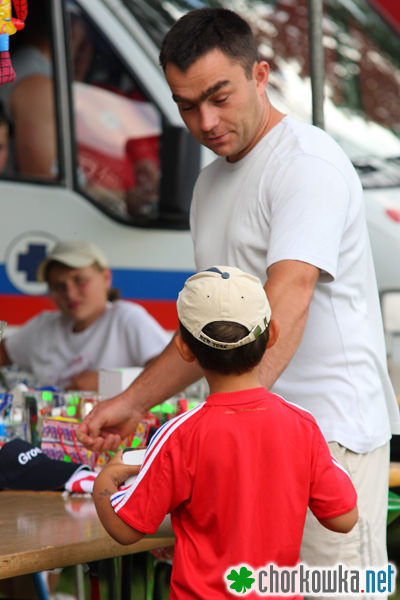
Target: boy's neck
219, 383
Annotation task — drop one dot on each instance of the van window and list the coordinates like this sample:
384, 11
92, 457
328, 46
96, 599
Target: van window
117, 128
28, 102
362, 70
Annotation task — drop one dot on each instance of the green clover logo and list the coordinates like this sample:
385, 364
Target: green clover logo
242, 581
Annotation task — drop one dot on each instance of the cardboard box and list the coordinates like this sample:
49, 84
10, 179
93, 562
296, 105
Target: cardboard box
115, 381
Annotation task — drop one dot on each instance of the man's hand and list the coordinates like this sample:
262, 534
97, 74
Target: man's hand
108, 424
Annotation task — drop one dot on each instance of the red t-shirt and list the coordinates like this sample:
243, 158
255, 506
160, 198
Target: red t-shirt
237, 475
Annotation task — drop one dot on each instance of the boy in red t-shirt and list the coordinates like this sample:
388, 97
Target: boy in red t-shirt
238, 472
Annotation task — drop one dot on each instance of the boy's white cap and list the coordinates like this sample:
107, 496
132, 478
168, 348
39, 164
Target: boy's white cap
223, 294
73, 253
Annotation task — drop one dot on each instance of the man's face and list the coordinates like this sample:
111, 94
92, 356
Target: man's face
80, 294
222, 108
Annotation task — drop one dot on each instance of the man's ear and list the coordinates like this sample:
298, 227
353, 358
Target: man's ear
261, 75
273, 331
183, 348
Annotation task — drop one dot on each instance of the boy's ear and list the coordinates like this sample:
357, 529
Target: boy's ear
273, 330
183, 348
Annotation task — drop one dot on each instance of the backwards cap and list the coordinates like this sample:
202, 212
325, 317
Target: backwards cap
223, 294
73, 253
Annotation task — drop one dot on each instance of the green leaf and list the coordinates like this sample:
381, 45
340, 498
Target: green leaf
242, 581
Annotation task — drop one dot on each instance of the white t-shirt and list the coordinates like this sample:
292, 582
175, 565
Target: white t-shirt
296, 196
125, 335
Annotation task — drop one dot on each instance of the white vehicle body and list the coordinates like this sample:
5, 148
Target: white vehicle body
151, 255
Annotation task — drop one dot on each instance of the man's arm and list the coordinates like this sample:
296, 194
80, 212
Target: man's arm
34, 126
290, 288
116, 418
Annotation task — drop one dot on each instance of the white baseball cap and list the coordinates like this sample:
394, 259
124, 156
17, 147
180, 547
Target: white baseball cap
73, 253
223, 294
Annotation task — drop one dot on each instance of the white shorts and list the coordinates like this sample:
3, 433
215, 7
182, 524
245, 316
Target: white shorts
365, 545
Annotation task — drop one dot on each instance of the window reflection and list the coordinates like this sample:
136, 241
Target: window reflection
117, 128
362, 77
362, 70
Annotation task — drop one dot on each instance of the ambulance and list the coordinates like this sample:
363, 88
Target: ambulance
114, 163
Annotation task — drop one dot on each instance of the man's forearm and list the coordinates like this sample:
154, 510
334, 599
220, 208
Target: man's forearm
276, 359
116, 418
289, 288
168, 375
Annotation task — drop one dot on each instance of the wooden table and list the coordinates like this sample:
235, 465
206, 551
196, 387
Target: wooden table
46, 530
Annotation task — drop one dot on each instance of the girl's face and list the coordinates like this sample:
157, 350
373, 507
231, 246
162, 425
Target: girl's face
80, 294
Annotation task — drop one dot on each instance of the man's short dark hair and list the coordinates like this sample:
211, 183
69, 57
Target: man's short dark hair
227, 362
201, 30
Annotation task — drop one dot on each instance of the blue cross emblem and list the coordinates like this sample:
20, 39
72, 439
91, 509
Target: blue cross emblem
29, 261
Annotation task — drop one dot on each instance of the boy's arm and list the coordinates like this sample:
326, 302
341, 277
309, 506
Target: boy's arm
332, 491
107, 483
342, 523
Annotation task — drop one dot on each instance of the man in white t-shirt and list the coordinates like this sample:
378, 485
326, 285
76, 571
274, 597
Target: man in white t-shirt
66, 348
283, 202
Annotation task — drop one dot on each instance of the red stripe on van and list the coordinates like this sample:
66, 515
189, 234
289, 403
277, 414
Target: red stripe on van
18, 309
162, 310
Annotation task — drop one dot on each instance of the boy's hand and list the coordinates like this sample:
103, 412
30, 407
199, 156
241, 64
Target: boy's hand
118, 471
